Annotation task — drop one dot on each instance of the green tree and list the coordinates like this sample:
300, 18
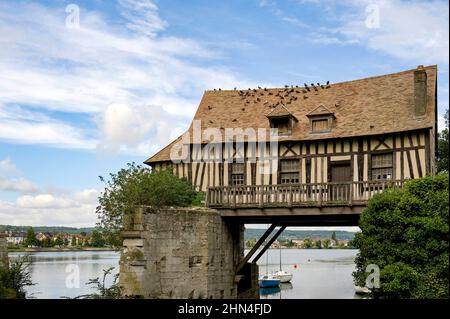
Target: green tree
31, 240
442, 157
326, 243
59, 241
97, 239
318, 244
406, 233
307, 243
137, 185
73, 241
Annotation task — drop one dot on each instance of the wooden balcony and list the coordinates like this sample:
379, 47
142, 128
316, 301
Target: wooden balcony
296, 195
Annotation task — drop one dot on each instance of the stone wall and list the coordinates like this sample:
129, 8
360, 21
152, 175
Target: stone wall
180, 253
3, 252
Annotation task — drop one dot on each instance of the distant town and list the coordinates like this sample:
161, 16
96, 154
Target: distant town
46, 237
23, 237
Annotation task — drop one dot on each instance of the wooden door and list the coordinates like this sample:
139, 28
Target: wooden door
341, 174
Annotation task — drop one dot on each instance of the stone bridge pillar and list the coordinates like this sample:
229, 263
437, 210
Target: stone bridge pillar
180, 253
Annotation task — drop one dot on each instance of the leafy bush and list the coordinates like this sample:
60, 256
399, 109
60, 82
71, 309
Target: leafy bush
406, 232
103, 292
15, 279
137, 185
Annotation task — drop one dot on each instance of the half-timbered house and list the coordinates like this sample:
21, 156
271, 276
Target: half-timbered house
336, 142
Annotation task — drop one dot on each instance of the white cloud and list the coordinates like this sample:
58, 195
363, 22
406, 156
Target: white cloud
9, 180
412, 31
85, 70
44, 201
20, 185
76, 209
8, 168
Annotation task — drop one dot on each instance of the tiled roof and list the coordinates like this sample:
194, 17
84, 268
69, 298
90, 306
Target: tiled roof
370, 106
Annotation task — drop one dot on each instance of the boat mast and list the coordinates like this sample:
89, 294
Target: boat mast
280, 256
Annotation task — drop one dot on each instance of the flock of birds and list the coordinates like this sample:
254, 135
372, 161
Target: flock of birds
284, 96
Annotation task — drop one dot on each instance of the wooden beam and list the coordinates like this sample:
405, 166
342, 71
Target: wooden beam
269, 244
255, 248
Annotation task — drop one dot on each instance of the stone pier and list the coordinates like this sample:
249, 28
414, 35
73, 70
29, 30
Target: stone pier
180, 253
4, 261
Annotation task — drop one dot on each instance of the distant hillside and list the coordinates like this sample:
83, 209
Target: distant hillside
251, 233
47, 229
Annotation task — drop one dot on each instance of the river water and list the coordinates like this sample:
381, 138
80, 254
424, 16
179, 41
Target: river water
317, 273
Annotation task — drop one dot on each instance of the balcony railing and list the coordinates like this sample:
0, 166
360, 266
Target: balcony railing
297, 195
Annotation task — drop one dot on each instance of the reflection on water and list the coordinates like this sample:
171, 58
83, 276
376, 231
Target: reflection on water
317, 273
65, 274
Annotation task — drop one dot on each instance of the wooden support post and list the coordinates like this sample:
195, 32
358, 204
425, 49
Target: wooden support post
269, 244
255, 248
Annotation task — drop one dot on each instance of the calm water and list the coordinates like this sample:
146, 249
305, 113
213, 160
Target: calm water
320, 273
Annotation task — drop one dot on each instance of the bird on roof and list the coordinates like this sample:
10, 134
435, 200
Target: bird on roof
312, 84
241, 92
220, 89
328, 82
318, 84
286, 86
214, 89
265, 89
259, 87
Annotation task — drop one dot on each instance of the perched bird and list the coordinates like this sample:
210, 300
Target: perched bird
259, 87
318, 84
286, 86
306, 85
312, 84
265, 89
241, 92
328, 82
235, 88
220, 89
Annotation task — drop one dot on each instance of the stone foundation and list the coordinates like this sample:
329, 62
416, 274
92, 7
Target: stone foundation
180, 253
4, 262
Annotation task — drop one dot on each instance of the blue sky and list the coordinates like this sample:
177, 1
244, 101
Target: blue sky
79, 100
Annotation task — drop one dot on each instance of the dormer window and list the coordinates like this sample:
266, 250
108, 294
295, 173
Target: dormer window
282, 120
321, 120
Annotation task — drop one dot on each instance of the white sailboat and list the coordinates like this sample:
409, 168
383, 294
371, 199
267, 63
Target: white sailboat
283, 275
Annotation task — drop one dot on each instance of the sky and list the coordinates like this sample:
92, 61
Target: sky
88, 86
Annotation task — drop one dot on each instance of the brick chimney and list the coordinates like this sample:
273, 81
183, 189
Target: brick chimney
420, 91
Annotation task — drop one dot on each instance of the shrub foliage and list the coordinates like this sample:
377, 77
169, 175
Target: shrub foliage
406, 233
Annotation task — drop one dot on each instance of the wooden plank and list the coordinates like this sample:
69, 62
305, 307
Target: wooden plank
255, 248
427, 153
